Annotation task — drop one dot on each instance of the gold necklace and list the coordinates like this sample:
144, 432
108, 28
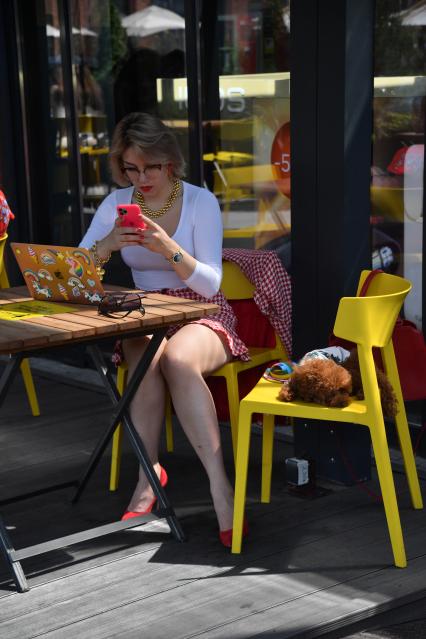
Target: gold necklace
170, 200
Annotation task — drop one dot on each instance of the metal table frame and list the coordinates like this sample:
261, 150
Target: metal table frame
120, 414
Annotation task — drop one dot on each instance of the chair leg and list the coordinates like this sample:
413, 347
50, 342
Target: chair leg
115, 458
169, 424
241, 468
233, 404
403, 430
267, 449
29, 387
384, 470
4, 282
118, 435
408, 457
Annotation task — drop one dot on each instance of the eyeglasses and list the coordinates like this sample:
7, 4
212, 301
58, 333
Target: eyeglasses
119, 306
150, 171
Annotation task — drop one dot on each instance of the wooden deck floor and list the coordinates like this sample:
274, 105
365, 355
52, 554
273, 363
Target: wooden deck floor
307, 567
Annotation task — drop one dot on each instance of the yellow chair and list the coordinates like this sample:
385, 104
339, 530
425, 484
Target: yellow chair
367, 321
25, 366
235, 286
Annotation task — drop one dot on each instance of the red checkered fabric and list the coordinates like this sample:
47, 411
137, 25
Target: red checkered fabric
272, 287
223, 323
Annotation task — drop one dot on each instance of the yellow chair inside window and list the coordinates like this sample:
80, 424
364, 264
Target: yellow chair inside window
235, 286
25, 366
367, 321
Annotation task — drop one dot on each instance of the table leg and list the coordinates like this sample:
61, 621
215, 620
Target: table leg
120, 403
14, 565
8, 375
121, 414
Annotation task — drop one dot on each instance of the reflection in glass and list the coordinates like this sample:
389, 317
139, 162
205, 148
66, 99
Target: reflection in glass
58, 162
247, 154
398, 146
125, 57
153, 61
398, 150
98, 42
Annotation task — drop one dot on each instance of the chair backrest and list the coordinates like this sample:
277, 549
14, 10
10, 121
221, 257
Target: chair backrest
369, 320
235, 285
253, 326
4, 282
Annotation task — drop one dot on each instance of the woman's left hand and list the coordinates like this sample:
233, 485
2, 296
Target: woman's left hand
155, 239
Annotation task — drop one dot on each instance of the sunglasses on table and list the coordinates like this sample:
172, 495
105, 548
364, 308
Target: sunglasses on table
118, 306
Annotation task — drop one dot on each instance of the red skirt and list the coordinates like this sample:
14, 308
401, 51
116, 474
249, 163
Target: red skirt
224, 323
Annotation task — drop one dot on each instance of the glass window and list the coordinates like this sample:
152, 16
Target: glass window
62, 199
126, 56
247, 146
398, 145
92, 62
398, 148
127, 53
98, 44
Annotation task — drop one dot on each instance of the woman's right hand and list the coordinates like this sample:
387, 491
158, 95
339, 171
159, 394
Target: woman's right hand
119, 237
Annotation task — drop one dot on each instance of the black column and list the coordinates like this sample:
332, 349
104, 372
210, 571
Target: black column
331, 107
304, 174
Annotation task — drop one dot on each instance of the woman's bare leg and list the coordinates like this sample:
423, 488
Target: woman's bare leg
193, 352
147, 414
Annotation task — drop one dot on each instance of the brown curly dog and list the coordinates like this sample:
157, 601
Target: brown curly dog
322, 381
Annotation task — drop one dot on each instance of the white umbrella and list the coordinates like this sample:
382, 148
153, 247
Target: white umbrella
151, 20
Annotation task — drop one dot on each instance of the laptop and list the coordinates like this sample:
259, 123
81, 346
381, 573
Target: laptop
59, 273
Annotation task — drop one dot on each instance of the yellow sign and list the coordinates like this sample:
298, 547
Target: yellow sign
23, 310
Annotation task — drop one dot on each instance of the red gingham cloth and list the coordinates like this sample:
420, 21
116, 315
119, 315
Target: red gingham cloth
224, 323
272, 287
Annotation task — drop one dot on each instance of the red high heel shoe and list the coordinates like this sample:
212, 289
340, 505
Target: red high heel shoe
133, 513
225, 536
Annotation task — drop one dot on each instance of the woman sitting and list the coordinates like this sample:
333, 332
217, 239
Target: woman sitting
179, 253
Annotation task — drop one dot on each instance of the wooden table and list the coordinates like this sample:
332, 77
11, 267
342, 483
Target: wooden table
83, 325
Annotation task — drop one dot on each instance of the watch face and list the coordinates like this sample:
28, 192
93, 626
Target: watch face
177, 257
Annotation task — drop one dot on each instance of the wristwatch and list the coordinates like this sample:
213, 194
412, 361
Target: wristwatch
176, 257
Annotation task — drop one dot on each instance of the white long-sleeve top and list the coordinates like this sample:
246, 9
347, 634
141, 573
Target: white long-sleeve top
199, 232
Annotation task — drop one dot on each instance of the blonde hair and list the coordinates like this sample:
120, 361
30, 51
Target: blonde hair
148, 135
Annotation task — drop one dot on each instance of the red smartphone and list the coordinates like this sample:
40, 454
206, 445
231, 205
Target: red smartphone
130, 215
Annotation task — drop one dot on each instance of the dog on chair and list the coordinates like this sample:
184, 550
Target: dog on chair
323, 381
